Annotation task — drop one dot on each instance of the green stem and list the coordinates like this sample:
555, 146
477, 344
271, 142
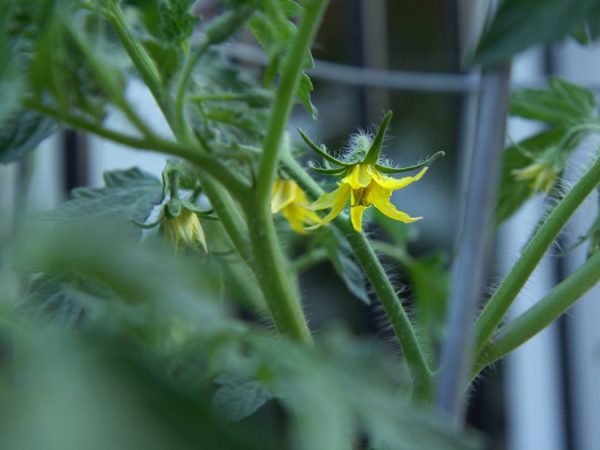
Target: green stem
290, 79
136, 51
542, 314
154, 144
309, 259
231, 218
106, 78
272, 272
496, 308
219, 197
395, 252
180, 118
401, 324
366, 257
270, 264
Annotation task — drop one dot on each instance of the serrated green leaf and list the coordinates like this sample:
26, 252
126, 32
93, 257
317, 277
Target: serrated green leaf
274, 32
563, 103
53, 298
176, 24
129, 195
513, 193
22, 133
239, 397
303, 93
520, 24
167, 59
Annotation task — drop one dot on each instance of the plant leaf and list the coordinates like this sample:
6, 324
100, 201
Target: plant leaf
563, 103
239, 397
22, 133
513, 193
129, 195
520, 24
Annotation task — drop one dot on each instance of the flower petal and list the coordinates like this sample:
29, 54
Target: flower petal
381, 199
360, 176
284, 192
343, 193
356, 214
393, 184
325, 201
299, 217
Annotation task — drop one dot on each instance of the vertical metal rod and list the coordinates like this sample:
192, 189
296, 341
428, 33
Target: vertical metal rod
474, 241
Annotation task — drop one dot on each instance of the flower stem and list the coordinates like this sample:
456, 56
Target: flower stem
366, 257
496, 308
309, 259
542, 314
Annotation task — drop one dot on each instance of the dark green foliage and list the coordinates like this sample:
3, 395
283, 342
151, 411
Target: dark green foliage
519, 24
562, 103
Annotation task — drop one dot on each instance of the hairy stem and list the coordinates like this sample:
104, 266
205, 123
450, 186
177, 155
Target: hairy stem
366, 257
272, 272
496, 308
542, 314
271, 268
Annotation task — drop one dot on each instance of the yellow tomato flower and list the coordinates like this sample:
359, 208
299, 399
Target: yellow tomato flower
289, 199
541, 174
365, 186
185, 229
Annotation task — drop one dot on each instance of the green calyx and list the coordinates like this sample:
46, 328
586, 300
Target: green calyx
364, 153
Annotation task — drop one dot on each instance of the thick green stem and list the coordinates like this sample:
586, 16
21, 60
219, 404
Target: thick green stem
496, 308
542, 314
272, 272
270, 264
290, 79
366, 257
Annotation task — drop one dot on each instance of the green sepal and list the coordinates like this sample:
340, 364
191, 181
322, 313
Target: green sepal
333, 171
392, 170
375, 149
193, 208
147, 226
321, 151
173, 208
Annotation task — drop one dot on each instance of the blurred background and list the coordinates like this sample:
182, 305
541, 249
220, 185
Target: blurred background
373, 56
